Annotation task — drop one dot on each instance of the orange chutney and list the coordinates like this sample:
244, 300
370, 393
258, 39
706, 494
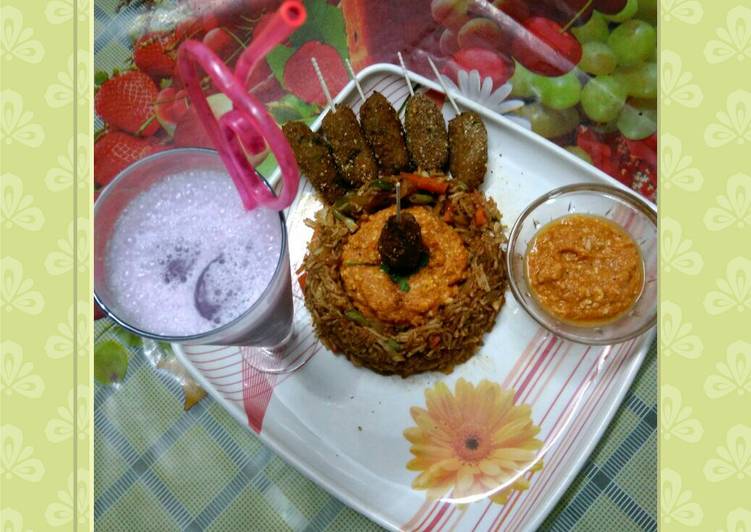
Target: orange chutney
584, 269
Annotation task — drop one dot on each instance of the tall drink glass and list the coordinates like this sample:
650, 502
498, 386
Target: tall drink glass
265, 322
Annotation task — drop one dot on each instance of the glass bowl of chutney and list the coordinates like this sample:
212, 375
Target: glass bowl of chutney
582, 262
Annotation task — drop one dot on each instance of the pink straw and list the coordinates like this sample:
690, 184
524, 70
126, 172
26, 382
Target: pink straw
248, 127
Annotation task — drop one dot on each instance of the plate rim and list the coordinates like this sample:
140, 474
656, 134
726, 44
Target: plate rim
638, 355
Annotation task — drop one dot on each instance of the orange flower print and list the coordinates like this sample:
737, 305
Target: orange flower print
476, 442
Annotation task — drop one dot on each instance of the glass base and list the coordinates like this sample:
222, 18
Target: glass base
281, 358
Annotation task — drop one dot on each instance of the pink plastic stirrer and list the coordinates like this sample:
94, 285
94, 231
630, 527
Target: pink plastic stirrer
248, 126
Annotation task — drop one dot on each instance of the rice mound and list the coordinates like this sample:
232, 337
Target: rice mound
449, 338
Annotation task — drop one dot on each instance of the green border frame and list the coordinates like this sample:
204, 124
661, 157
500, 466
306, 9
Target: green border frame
45, 294
46, 54
705, 289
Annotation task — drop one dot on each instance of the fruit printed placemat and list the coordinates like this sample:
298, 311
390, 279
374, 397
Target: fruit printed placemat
581, 73
585, 70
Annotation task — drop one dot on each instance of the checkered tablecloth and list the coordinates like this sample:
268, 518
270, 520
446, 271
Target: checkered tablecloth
158, 467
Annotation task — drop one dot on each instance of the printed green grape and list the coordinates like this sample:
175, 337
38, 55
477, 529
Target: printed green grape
640, 80
643, 103
602, 98
521, 82
647, 11
576, 150
597, 58
633, 42
110, 362
548, 122
637, 124
595, 30
559, 92
628, 12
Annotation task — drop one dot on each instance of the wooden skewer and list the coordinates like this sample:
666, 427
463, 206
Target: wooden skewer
404, 71
443, 86
324, 87
399, 202
354, 78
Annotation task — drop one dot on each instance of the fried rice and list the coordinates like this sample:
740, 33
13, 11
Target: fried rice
451, 335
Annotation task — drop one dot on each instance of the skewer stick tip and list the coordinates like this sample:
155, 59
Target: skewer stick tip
404, 72
398, 201
443, 85
322, 81
354, 78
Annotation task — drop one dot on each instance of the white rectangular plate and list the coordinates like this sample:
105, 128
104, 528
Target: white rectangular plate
344, 426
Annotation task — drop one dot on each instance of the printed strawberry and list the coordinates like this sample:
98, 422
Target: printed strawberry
155, 53
636, 162
261, 24
189, 28
209, 22
171, 104
645, 149
599, 151
189, 131
115, 150
224, 43
126, 102
633, 163
300, 78
176, 80
263, 84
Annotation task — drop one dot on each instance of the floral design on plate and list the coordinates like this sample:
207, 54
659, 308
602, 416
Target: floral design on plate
475, 443
480, 90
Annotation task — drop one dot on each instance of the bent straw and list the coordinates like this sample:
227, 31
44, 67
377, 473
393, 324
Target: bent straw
443, 86
406, 76
248, 124
354, 78
322, 81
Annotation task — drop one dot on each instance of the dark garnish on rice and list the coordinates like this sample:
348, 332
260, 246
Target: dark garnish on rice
450, 334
